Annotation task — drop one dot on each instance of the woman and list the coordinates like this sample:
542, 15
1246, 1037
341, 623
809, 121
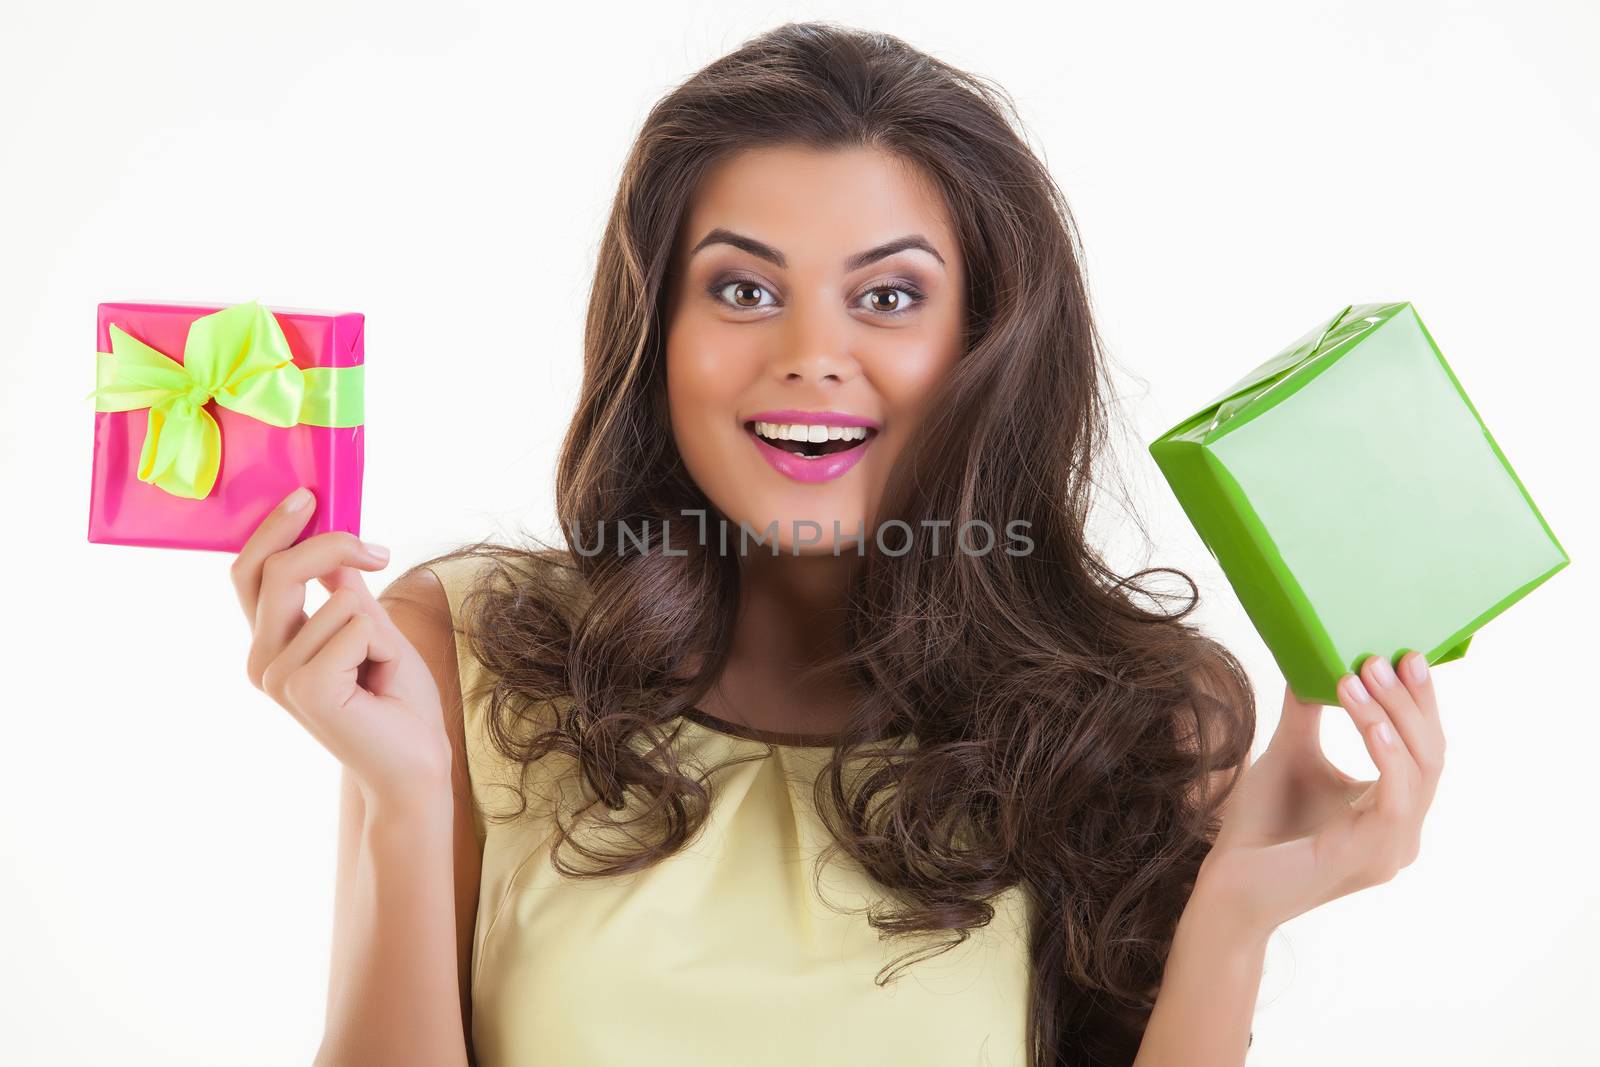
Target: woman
592, 795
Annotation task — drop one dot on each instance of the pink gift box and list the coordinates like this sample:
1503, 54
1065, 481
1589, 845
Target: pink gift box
260, 464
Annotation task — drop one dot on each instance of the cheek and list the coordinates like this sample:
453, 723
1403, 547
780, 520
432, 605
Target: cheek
908, 379
704, 385
689, 358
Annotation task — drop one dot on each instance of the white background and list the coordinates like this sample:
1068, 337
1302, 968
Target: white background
1239, 173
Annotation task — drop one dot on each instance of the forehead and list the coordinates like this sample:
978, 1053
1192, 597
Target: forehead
807, 201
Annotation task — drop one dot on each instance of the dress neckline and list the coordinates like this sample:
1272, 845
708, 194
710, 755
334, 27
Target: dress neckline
755, 733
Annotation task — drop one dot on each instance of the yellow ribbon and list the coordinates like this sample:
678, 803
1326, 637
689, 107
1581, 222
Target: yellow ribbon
238, 357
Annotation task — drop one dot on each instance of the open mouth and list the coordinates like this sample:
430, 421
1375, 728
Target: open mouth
789, 438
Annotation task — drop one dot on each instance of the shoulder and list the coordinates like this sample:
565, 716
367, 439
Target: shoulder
480, 615
443, 602
543, 576
422, 604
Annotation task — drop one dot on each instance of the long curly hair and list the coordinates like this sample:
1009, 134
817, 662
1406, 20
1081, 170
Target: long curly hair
1050, 726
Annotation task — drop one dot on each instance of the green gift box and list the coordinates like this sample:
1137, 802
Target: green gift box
1356, 502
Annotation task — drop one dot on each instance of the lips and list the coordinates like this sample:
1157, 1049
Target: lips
832, 458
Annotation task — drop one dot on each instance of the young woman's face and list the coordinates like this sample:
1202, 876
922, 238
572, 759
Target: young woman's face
785, 314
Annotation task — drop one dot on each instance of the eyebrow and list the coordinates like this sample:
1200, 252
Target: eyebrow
855, 262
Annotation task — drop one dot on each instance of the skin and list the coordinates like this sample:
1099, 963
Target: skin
375, 683
813, 336
374, 680
1298, 831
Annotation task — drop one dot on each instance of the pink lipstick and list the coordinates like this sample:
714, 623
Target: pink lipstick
789, 458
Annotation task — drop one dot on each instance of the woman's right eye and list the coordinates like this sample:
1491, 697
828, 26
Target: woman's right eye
742, 289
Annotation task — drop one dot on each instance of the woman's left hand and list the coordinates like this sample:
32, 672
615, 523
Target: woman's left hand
1298, 832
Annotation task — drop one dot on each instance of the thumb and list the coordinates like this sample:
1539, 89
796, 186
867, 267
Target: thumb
1299, 725
382, 673
387, 644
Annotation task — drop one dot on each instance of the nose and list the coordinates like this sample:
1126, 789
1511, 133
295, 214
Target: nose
816, 346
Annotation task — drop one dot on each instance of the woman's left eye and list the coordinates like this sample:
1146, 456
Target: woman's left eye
902, 304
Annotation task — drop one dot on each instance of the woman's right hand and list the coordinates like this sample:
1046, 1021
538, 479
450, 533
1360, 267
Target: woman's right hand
1299, 832
347, 673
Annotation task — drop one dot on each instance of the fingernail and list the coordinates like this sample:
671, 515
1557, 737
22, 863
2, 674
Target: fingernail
1356, 690
297, 499
1385, 734
1419, 668
1382, 673
377, 552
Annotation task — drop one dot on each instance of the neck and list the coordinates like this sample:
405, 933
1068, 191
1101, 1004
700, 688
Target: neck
791, 617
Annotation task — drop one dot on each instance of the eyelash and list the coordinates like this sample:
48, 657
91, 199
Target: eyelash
896, 284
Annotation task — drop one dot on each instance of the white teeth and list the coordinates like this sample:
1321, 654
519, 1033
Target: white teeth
777, 431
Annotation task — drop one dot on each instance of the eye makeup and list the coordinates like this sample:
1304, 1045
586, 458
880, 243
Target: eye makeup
903, 285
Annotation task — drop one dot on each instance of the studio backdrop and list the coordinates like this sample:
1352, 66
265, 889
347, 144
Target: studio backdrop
1237, 172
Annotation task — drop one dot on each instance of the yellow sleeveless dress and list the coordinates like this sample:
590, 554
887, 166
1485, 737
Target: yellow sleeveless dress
723, 953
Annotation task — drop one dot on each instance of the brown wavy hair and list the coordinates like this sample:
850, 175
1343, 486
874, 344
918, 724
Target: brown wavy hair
1050, 726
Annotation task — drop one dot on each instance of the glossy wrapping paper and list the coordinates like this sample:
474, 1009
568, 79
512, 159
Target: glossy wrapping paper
1356, 502
255, 462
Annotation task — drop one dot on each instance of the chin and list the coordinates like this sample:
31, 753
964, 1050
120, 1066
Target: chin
794, 533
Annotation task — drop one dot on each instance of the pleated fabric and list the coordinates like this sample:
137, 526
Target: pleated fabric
728, 952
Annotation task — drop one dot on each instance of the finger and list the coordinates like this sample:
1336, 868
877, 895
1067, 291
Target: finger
281, 603
340, 578
307, 642
345, 603
349, 578
1418, 679
1394, 793
275, 532
1421, 739
1389, 833
309, 639
1378, 835
326, 686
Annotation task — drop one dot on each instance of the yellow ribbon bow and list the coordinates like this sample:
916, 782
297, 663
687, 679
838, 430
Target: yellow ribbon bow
238, 357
